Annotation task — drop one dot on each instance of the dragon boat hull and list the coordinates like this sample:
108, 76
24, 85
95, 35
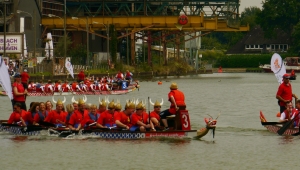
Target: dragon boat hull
111, 134
276, 126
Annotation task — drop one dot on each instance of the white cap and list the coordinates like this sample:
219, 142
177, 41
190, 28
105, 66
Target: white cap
25, 70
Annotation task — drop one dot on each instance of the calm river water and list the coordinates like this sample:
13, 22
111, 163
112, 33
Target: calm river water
240, 142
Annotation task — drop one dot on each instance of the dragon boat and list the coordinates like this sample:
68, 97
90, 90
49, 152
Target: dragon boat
129, 89
275, 126
116, 133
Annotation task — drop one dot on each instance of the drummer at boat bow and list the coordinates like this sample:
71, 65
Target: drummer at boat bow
284, 93
106, 118
289, 113
176, 97
77, 119
123, 118
58, 116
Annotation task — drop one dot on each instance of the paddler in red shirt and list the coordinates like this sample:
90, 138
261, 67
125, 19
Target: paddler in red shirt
66, 87
41, 115
284, 93
122, 118
176, 98
18, 116
106, 118
140, 119
289, 113
58, 116
102, 105
92, 117
77, 119
154, 115
34, 109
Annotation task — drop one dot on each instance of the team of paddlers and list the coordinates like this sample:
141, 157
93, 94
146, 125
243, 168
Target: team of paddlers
89, 84
79, 115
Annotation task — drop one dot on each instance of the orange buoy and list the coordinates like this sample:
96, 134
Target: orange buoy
159, 83
220, 70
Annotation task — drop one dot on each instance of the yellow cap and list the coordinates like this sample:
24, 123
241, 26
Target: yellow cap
157, 104
111, 105
139, 106
129, 105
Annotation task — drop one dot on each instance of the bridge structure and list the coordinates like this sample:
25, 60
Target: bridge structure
158, 19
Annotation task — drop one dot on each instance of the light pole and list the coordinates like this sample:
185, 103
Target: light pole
87, 38
34, 28
65, 35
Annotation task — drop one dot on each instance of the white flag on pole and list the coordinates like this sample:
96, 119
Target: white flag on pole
278, 67
5, 79
69, 67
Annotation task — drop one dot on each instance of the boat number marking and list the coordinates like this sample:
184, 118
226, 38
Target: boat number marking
186, 123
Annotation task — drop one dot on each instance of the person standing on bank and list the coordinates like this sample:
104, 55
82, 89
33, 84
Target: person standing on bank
176, 98
24, 79
19, 92
81, 76
284, 93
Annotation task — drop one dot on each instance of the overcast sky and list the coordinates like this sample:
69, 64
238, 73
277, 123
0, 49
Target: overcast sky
248, 3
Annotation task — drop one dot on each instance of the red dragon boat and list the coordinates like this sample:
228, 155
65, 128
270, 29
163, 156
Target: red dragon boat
184, 130
129, 89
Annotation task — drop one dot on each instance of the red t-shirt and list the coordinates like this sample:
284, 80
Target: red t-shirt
77, 117
53, 116
15, 117
106, 118
179, 99
81, 76
285, 92
20, 89
24, 77
155, 115
123, 118
135, 118
37, 117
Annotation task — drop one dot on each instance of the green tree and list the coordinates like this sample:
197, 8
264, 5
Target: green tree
295, 48
248, 16
60, 47
78, 54
280, 14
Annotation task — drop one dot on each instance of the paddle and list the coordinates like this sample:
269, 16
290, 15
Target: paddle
47, 124
32, 128
285, 126
271, 123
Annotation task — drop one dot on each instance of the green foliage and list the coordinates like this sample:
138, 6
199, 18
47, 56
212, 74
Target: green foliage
296, 41
78, 54
60, 46
280, 14
210, 42
248, 16
211, 55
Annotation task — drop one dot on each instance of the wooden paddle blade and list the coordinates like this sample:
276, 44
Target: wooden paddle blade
285, 127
